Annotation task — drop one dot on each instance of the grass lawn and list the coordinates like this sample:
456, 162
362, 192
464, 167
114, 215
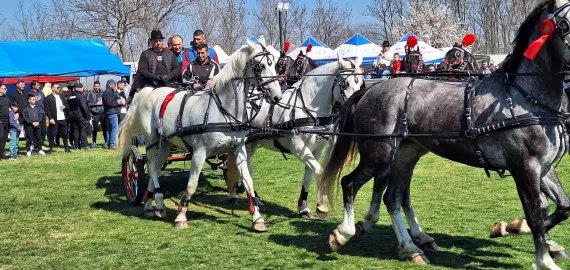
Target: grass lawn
67, 211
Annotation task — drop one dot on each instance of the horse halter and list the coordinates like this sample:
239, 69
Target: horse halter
282, 65
258, 68
460, 63
341, 81
301, 62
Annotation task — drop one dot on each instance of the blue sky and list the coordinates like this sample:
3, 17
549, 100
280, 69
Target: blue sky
10, 7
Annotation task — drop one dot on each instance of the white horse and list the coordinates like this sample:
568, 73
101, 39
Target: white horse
318, 95
223, 105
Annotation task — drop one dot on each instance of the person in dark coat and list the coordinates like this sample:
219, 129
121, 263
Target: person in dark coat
157, 67
95, 101
33, 114
40, 102
56, 108
20, 97
78, 116
5, 103
111, 105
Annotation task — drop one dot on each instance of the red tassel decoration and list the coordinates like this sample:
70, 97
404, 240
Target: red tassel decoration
412, 41
468, 40
309, 48
286, 46
546, 29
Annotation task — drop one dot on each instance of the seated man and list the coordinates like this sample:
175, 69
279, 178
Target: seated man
200, 38
157, 67
199, 73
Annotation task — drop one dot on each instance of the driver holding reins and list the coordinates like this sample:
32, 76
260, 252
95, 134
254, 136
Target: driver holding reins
200, 72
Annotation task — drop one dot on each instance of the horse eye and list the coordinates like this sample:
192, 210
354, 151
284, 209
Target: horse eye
356, 80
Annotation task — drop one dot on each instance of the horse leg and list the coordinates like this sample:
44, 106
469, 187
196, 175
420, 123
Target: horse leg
373, 215
161, 156
322, 202
425, 242
312, 164
242, 162
552, 187
375, 159
528, 181
154, 190
198, 159
400, 177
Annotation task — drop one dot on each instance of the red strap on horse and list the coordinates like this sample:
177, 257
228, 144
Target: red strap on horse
165, 103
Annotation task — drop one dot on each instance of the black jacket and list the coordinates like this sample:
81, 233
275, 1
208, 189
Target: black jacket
200, 73
4, 109
40, 98
110, 105
146, 72
31, 115
51, 107
21, 100
78, 109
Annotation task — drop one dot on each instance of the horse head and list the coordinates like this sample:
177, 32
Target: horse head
348, 80
459, 58
300, 66
263, 64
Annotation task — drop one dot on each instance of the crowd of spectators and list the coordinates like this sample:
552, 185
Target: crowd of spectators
57, 114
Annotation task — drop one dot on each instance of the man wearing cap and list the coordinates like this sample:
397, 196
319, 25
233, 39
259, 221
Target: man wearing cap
79, 115
382, 62
111, 105
157, 67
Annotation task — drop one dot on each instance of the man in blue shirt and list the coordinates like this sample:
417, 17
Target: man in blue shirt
200, 38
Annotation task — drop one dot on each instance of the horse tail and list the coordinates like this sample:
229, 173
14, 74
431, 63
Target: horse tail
342, 152
128, 125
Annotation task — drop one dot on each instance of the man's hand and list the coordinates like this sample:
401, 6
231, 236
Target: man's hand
164, 78
99, 103
210, 84
51, 121
196, 85
16, 116
62, 107
35, 124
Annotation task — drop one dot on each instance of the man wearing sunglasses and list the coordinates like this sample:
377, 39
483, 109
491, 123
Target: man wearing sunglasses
56, 109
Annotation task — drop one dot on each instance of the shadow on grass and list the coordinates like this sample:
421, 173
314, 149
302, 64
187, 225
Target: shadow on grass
381, 243
207, 196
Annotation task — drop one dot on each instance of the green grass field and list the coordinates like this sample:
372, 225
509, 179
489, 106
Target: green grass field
67, 211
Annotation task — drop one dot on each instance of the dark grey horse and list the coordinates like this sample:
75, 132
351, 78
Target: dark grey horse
294, 69
529, 149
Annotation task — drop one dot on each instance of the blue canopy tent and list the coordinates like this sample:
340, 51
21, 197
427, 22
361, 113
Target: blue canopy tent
80, 58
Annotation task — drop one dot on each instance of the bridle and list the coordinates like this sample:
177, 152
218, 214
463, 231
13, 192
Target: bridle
258, 68
340, 80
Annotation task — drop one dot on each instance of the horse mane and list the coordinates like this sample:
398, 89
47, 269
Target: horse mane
312, 63
234, 67
522, 38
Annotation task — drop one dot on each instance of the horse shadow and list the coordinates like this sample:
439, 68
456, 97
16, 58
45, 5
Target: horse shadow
380, 243
207, 196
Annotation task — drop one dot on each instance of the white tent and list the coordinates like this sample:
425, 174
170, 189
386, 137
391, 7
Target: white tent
319, 50
430, 54
357, 46
222, 56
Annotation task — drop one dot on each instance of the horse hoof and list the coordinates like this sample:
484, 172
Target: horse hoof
259, 227
514, 227
359, 229
559, 255
419, 259
160, 213
180, 224
429, 246
333, 241
497, 230
149, 213
322, 215
305, 215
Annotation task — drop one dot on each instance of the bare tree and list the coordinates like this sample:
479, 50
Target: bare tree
329, 23
201, 18
27, 25
385, 14
232, 24
124, 21
267, 21
299, 22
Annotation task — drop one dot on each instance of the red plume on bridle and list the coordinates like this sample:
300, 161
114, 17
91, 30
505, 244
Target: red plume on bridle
286, 46
547, 28
468, 40
309, 48
412, 42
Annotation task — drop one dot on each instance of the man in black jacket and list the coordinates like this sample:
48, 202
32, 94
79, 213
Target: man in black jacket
20, 98
4, 119
56, 107
199, 73
40, 102
33, 115
78, 116
157, 67
111, 105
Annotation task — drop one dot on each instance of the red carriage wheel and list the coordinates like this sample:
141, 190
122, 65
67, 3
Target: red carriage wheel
135, 181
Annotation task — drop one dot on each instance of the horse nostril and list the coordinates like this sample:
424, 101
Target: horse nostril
276, 99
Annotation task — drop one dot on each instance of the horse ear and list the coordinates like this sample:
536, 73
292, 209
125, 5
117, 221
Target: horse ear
262, 40
340, 60
358, 61
250, 44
